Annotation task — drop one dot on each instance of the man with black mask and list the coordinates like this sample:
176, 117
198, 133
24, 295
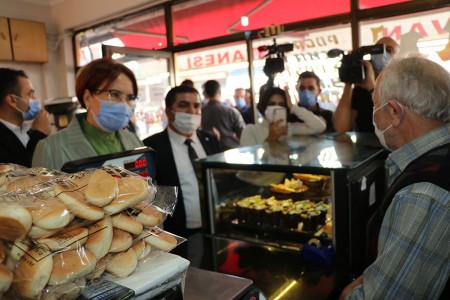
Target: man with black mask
354, 111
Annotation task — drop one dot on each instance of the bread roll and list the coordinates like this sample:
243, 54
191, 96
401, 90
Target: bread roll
15, 251
101, 189
6, 277
132, 190
139, 248
39, 233
100, 237
150, 216
25, 183
121, 241
122, 264
161, 240
33, 272
75, 202
68, 291
67, 239
100, 268
49, 213
2, 252
15, 221
125, 222
3, 169
71, 265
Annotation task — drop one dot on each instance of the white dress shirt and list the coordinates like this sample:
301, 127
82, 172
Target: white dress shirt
186, 174
19, 131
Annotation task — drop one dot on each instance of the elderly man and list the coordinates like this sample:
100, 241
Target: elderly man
411, 230
17, 105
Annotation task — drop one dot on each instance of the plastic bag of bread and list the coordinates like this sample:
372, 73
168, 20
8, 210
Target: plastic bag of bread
19, 179
107, 190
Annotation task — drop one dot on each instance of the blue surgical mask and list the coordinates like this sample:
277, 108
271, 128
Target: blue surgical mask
113, 115
307, 98
34, 107
240, 102
379, 61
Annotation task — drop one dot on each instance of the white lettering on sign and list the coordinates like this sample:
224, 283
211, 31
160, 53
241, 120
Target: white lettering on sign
424, 25
217, 56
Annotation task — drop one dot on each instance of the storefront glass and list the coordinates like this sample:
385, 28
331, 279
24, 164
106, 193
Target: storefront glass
309, 54
144, 31
199, 20
426, 33
228, 64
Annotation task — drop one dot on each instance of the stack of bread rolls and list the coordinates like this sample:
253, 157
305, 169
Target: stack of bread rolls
73, 228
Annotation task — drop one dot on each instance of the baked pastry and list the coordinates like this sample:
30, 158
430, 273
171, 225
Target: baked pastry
132, 190
49, 213
67, 239
127, 223
121, 241
77, 204
71, 265
33, 273
160, 239
291, 189
15, 222
122, 264
101, 189
100, 237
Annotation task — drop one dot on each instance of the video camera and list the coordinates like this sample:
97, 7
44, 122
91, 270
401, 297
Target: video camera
351, 69
275, 57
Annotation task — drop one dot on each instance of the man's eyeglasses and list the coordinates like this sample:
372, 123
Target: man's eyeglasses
117, 96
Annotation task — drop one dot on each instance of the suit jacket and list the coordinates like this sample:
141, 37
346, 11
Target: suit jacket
12, 149
71, 144
166, 172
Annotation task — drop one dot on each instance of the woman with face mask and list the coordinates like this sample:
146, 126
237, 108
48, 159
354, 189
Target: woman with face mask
276, 106
107, 90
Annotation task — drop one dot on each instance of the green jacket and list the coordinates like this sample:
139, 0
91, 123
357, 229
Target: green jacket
70, 144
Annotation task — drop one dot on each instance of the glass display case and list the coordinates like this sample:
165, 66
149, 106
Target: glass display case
320, 189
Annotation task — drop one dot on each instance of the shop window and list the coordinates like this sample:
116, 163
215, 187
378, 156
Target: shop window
426, 33
228, 64
365, 4
144, 31
309, 54
199, 20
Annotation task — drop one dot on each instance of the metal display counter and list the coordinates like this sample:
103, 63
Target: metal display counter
353, 167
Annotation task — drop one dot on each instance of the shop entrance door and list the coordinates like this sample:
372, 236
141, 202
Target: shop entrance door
154, 72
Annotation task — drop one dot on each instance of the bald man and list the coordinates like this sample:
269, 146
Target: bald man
354, 111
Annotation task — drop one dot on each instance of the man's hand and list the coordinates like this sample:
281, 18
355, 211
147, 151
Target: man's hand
350, 287
42, 122
369, 82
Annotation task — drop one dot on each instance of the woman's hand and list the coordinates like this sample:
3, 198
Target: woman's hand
276, 130
288, 97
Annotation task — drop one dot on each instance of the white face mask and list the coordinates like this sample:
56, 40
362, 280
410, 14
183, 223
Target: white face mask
186, 123
380, 133
269, 112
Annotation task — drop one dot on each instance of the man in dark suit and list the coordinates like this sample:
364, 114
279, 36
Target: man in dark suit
18, 104
173, 165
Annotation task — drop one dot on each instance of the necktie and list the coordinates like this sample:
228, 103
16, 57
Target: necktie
191, 151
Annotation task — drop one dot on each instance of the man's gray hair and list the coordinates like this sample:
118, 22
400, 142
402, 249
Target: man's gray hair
419, 84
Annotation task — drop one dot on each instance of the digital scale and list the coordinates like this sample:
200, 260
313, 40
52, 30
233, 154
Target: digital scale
141, 161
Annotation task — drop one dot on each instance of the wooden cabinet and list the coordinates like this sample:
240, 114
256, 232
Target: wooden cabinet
25, 41
5, 42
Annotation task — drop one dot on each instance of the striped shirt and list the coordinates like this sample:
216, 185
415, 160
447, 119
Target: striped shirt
414, 243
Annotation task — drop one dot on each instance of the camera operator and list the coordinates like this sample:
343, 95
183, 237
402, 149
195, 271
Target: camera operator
355, 108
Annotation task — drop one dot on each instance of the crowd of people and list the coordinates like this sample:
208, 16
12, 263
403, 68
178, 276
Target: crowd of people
406, 103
